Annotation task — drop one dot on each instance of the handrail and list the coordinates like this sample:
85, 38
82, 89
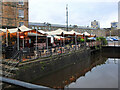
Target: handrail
22, 84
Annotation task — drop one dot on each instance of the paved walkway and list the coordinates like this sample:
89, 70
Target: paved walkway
113, 43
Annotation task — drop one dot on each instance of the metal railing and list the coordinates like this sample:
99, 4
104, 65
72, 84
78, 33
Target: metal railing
31, 54
26, 54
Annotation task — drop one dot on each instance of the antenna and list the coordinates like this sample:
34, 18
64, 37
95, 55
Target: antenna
67, 17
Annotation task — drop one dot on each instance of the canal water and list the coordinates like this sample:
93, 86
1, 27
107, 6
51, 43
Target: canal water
98, 71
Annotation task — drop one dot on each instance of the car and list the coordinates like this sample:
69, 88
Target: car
114, 39
109, 39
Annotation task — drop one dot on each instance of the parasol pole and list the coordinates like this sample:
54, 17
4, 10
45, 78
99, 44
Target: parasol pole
23, 42
75, 41
47, 43
36, 40
18, 38
6, 38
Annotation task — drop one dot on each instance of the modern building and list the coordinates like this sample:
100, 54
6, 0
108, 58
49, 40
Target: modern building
13, 14
114, 25
95, 24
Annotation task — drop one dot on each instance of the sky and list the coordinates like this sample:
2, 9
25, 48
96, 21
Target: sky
81, 12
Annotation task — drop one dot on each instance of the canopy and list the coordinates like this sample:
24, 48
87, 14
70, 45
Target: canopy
92, 38
13, 30
86, 34
42, 32
3, 30
75, 32
57, 32
22, 29
34, 34
57, 37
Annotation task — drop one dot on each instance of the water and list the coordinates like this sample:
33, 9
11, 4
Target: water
97, 71
104, 76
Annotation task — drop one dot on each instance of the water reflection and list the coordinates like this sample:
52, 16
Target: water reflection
104, 76
76, 75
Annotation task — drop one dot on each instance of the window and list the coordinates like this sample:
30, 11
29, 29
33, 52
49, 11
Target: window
21, 13
21, 23
21, 2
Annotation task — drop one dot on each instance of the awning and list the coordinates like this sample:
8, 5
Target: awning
34, 34
56, 32
86, 34
22, 29
3, 30
92, 38
13, 30
42, 32
57, 37
74, 32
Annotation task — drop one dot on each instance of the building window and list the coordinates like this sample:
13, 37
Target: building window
21, 13
21, 23
21, 2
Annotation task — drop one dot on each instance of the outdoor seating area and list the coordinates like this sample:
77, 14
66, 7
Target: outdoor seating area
32, 43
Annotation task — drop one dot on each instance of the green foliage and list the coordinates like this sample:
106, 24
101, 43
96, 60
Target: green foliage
81, 40
102, 39
78, 39
98, 38
72, 42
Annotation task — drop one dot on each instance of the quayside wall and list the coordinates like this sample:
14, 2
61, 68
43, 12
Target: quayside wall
29, 71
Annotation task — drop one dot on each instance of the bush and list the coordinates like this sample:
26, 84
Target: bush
81, 40
102, 39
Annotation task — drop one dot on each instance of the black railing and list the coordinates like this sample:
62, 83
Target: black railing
26, 53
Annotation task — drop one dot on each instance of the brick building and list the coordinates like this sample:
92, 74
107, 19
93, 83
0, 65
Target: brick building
13, 14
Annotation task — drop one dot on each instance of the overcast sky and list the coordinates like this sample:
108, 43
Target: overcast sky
81, 12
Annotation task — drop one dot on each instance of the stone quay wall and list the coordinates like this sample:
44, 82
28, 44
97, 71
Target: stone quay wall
31, 70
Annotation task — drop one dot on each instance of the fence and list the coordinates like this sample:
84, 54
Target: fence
27, 54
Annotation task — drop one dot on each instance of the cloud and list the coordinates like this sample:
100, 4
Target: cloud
106, 22
82, 13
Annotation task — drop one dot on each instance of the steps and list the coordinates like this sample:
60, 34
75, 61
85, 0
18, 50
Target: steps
8, 69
